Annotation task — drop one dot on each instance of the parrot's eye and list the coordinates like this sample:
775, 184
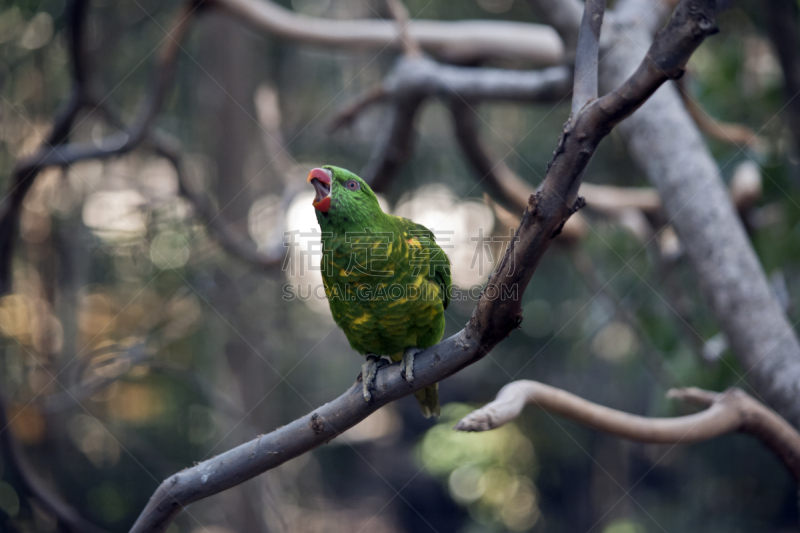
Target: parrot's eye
353, 185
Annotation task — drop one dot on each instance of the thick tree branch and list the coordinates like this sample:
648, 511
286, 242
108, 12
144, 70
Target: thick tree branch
464, 41
664, 141
424, 77
728, 412
498, 311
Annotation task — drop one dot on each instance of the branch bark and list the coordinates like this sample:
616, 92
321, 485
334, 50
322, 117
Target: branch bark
499, 309
465, 41
728, 412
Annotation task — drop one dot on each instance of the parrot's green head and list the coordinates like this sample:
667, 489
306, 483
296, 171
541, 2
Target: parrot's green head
343, 199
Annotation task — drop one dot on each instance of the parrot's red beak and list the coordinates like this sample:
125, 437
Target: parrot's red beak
320, 178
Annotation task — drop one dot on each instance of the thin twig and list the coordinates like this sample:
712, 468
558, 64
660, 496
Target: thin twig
410, 45
738, 135
587, 54
67, 398
348, 114
232, 240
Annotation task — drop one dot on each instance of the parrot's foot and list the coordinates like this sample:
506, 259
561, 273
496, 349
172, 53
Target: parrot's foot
368, 371
407, 365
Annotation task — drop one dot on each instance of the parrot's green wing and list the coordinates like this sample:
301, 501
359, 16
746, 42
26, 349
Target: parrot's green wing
439, 270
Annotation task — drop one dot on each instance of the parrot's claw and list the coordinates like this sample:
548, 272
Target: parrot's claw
368, 371
407, 365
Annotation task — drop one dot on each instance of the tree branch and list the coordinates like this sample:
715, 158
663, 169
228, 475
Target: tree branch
53, 153
503, 184
33, 486
60, 401
512, 192
424, 77
665, 142
230, 238
464, 41
410, 45
394, 144
414, 79
133, 135
738, 135
499, 309
728, 412
586, 57
10, 207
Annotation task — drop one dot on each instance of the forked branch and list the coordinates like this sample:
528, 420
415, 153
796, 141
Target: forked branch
415, 79
731, 411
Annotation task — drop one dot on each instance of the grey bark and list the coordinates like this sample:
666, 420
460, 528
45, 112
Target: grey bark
666, 143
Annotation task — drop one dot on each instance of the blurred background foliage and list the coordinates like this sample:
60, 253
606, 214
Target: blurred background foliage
173, 351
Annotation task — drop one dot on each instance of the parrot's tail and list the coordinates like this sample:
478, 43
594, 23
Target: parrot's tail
428, 399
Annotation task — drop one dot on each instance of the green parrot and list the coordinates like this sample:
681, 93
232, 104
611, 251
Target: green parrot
386, 279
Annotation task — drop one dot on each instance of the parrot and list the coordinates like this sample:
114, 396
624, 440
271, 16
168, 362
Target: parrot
387, 281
